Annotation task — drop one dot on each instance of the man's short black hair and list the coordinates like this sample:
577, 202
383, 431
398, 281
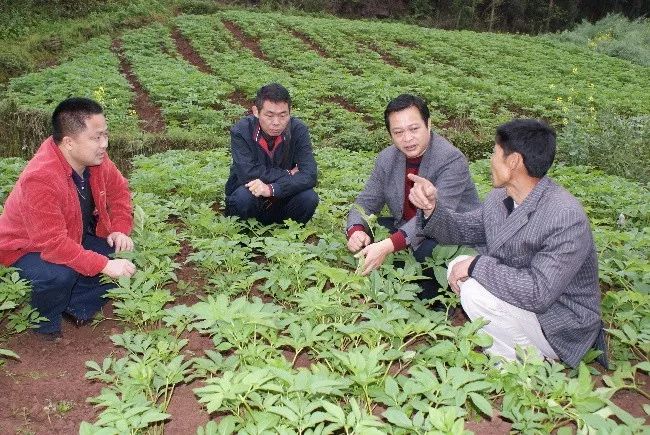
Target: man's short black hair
69, 117
533, 139
403, 102
273, 92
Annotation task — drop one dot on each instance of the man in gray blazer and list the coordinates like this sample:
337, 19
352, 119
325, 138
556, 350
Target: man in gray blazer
415, 150
536, 279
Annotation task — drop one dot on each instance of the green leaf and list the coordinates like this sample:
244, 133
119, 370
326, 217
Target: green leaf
398, 418
481, 403
335, 411
8, 353
390, 387
441, 276
644, 366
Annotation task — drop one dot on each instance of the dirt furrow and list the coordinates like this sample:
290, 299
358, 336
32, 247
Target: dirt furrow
150, 115
185, 49
248, 42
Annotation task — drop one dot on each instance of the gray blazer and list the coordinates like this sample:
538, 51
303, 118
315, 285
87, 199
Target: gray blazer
442, 164
540, 258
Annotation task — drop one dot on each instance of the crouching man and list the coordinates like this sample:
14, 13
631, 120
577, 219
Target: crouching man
273, 171
69, 210
536, 279
415, 149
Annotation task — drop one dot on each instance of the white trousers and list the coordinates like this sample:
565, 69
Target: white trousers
509, 325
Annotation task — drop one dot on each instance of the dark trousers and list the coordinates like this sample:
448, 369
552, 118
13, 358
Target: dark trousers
429, 286
57, 289
299, 207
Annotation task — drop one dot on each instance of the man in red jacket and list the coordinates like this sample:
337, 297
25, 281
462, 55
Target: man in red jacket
69, 210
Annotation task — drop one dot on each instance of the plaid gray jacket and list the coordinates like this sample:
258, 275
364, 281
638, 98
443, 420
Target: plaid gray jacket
540, 258
442, 164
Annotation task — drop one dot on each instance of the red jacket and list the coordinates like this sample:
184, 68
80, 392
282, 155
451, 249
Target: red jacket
43, 214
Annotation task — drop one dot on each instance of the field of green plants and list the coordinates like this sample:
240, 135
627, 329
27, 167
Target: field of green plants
299, 343
341, 74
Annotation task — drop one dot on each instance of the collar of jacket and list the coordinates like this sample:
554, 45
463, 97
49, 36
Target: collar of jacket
259, 138
426, 156
519, 216
67, 168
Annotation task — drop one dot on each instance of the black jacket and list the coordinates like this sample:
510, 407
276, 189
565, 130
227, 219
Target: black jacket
249, 161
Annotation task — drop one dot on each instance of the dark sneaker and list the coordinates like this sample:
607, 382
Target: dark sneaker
77, 321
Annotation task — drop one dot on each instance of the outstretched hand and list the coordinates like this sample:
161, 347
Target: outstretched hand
423, 194
359, 239
374, 255
120, 241
119, 267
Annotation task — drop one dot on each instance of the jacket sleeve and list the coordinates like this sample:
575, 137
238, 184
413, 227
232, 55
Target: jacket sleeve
246, 164
118, 200
411, 234
46, 225
451, 182
452, 228
535, 288
371, 199
307, 173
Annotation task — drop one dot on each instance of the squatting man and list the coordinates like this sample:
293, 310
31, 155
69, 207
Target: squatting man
536, 277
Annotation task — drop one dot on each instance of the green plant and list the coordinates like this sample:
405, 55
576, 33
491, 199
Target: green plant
614, 35
141, 384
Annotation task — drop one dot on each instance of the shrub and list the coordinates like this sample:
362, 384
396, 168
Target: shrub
613, 35
611, 142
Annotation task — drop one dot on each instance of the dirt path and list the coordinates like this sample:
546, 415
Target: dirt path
248, 42
310, 43
149, 114
185, 49
350, 108
45, 391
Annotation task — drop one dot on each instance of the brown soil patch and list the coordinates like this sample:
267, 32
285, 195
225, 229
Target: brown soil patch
185, 49
386, 57
150, 115
256, 293
189, 413
248, 42
492, 427
238, 98
406, 44
457, 317
303, 360
50, 376
349, 107
310, 43
458, 123
216, 207
189, 274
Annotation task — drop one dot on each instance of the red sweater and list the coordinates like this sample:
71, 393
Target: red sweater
42, 213
409, 210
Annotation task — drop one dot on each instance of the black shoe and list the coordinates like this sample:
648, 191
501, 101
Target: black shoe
77, 321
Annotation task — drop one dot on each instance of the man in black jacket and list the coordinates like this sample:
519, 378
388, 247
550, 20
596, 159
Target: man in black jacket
273, 171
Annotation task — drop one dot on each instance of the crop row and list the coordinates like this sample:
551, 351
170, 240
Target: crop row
341, 74
300, 343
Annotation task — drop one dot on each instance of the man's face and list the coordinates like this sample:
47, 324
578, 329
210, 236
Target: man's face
273, 117
499, 165
88, 147
410, 134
